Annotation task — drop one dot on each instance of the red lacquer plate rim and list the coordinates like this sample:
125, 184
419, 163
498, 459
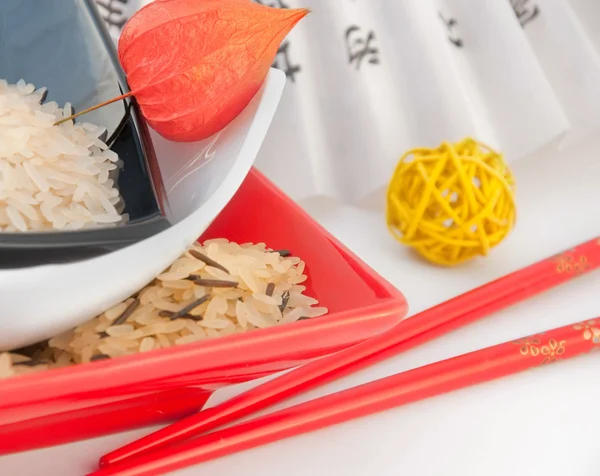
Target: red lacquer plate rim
133, 369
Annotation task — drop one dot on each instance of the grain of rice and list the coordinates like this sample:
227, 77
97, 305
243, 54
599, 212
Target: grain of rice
311, 312
102, 326
180, 284
147, 344
112, 350
154, 329
173, 326
293, 315
187, 294
86, 354
163, 341
165, 305
216, 323
300, 300
6, 367
165, 292
266, 299
143, 316
195, 328
213, 333
249, 279
116, 331
17, 359
173, 276
186, 340
115, 311
64, 359
217, 273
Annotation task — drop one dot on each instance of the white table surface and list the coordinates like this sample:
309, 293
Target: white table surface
542, 422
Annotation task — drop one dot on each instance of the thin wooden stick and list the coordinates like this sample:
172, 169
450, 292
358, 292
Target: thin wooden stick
93, 108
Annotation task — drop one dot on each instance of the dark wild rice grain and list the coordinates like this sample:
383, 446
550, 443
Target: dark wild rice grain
123, 317
285, 297
212, 283
174, 315
127, 312
270, 289
208, 261
31, 363
185, 310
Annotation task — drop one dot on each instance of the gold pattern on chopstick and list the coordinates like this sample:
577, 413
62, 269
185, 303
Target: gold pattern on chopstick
533, 346
529, 346
591, 330
567, 263
552, 350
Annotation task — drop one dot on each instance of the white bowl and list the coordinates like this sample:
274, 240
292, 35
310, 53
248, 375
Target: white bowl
39, 302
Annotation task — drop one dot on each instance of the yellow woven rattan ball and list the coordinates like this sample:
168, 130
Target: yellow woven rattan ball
451, 203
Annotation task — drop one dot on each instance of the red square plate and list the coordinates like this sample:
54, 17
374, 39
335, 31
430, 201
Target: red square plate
58, 406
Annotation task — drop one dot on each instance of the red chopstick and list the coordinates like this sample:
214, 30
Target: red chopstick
396, 390
417, 330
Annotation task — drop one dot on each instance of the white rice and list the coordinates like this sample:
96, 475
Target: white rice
265, 290
52, 177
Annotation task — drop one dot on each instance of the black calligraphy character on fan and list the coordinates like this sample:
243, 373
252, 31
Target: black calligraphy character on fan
361, 47
113, 13
283, 60
524, 11
275, 4
450, 24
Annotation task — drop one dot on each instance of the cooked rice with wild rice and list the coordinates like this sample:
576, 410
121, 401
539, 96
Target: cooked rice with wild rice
218, 289
52, 177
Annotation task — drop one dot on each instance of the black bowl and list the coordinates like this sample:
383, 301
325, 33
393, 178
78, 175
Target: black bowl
64, 45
